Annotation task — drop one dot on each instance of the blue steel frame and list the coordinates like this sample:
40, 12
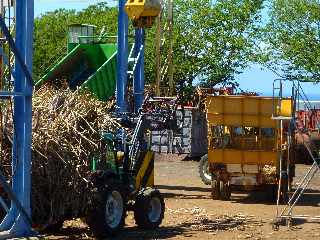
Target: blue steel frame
122, 59
17, 222
138, 84
122, 68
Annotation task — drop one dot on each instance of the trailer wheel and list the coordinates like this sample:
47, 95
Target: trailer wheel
149, 208
272, 193
215, 188
107, 211
204, 172
225, 191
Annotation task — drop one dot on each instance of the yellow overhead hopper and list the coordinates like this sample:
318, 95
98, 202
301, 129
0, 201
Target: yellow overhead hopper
143, 12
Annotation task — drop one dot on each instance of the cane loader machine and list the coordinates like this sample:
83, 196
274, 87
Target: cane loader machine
122, 175
122, 172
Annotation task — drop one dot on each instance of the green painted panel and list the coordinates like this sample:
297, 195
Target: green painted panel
103, 82
100, 60
63, 66
108, 49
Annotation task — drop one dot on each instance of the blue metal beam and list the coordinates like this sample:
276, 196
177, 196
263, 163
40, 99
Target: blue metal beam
12, 44
122, 69
138, 85
16, 221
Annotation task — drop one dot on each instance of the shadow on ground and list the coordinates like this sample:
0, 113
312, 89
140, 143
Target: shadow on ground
182, 192
128, 233
185, 188
185, 229
309, 198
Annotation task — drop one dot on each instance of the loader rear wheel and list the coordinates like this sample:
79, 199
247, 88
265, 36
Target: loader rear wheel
107, 212
204, 171
149, 208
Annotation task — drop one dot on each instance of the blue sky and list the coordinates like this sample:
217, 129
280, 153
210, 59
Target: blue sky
252, 78
42, 6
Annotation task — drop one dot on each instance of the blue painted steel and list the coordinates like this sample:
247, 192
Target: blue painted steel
138, 84
122, 75
4, 57
18, 57
16, 221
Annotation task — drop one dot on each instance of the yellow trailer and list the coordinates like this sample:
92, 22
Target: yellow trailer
246, 138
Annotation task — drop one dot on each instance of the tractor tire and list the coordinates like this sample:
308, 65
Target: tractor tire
204, 172
149, 208
225, 191
107, 210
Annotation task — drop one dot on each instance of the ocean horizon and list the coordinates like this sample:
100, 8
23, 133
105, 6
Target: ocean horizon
311, 97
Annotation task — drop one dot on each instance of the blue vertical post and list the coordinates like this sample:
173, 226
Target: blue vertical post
122, 58
138, 84
28, 44
21, 155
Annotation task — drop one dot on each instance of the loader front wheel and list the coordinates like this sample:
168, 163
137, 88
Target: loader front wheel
149, 208
106, 215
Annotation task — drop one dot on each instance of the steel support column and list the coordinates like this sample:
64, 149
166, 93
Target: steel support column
16, 221
138, 84
122, 58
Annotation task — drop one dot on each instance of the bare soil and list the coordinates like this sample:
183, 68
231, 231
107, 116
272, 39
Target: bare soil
192, 214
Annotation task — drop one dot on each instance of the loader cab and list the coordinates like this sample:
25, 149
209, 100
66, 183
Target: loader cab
80, 33
107, 157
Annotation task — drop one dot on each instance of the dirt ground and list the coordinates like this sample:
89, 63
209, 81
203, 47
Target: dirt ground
192, 214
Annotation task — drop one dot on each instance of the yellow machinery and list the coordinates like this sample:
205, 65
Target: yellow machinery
245, 141
143, 12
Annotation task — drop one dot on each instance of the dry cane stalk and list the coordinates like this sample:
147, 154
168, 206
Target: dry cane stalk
65, 135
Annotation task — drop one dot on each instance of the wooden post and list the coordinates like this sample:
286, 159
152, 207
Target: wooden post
158, 55
170, 51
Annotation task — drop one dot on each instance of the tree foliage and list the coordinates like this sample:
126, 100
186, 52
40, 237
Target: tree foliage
50, 38
212, 39
291, 39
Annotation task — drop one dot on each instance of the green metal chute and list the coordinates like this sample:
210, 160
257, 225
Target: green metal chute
91, 66
99, 83
62, 67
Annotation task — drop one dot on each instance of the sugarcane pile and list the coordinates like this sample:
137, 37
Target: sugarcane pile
67, 130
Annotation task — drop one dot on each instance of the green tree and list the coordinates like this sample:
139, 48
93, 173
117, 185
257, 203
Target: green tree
291, 39
213, 40
101, 15
50, 38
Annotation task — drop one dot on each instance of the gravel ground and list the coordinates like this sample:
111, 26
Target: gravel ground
192, 214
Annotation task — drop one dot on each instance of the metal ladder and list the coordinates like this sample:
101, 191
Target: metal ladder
284, 144
287, 212
133, 60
